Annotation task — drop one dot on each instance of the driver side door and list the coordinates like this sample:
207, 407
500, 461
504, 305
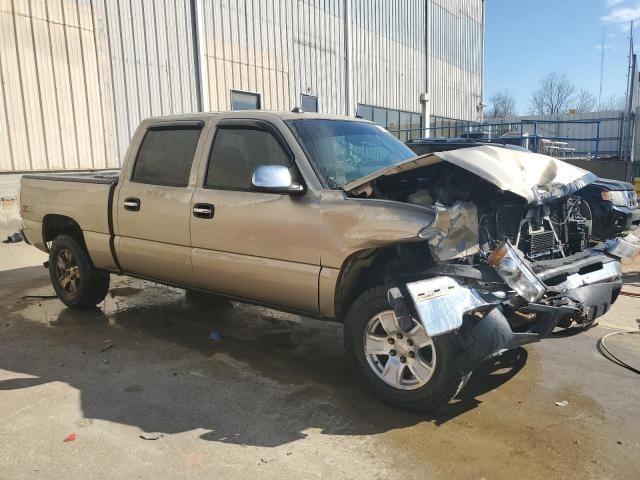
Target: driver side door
249, 244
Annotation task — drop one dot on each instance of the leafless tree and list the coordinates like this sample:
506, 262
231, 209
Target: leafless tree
585, 102
555, 95
613, 102
501, 104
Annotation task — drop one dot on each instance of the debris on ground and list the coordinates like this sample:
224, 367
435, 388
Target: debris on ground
83, 422
215, 336
133, 388
70, 438
563, 403
107, 348
152, 436
53, 295
15, 238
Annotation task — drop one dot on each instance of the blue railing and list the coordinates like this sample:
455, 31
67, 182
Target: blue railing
527, 133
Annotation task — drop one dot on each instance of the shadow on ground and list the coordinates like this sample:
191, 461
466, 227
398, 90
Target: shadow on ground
151, 358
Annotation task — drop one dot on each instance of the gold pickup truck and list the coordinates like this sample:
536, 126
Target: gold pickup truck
434, 263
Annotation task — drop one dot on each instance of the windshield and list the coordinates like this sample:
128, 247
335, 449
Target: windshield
343, 151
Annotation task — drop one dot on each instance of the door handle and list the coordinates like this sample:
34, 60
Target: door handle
132, 204
203, 210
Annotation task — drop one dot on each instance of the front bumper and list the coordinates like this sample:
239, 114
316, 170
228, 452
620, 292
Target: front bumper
580, 289
614, 220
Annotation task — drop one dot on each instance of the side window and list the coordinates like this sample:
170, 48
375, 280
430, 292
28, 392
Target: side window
237, 152
165, 156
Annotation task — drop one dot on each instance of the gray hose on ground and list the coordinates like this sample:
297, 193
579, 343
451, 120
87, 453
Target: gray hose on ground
609, 355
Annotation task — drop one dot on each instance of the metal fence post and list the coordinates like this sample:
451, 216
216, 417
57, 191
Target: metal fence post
598, 140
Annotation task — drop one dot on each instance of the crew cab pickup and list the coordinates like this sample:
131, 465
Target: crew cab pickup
434, 263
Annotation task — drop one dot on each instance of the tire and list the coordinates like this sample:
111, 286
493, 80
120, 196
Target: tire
433, 388
77, 282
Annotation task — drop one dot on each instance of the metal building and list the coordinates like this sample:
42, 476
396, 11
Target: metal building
76, 76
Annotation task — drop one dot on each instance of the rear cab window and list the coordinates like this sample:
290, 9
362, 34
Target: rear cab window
166, 155
237, 151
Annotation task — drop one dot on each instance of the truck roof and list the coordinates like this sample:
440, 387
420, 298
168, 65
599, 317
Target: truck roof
253, 114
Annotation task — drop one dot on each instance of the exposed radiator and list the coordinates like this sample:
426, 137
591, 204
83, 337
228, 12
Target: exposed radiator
539, 243
508, 222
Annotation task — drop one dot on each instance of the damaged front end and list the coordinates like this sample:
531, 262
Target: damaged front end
510, 261
516, 303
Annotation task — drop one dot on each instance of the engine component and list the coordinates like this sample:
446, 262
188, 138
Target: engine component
544, 231
539, 243
578, 236
508, 219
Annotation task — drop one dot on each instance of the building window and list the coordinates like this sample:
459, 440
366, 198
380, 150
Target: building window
244, 100
404, 125
448, 127
308, 103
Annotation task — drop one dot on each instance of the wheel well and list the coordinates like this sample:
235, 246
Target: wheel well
360, 271
56, 225
367, 268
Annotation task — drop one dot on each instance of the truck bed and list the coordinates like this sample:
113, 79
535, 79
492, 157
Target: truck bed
85, 198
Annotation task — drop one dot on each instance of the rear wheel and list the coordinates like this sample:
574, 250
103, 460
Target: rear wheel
76, 281
408, 369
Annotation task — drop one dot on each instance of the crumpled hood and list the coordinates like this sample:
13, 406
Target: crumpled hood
529, 175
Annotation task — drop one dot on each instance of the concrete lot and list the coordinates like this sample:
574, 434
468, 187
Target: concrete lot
272, 397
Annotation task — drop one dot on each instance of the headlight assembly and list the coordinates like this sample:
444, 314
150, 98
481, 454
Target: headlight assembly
516, 273
618, 198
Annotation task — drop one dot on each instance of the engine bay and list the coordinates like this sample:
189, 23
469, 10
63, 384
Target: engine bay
552, 228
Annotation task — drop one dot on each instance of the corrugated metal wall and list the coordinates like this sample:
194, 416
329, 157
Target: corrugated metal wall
77, 76
388, 52
279, 49
457, 29
284, 48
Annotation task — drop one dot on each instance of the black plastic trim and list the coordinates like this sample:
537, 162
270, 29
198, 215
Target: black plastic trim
24, 237
112, 236
177, 125
71, 178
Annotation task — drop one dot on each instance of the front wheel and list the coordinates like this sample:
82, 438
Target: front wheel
409, 369
76, 281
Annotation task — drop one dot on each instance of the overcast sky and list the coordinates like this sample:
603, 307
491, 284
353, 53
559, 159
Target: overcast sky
527, 39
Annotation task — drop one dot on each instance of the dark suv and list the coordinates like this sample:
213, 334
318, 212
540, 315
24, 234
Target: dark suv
614, 207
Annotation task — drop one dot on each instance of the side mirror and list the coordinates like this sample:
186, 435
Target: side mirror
275, 179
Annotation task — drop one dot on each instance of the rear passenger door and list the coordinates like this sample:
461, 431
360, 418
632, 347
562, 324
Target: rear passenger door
254, 245
153, 204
